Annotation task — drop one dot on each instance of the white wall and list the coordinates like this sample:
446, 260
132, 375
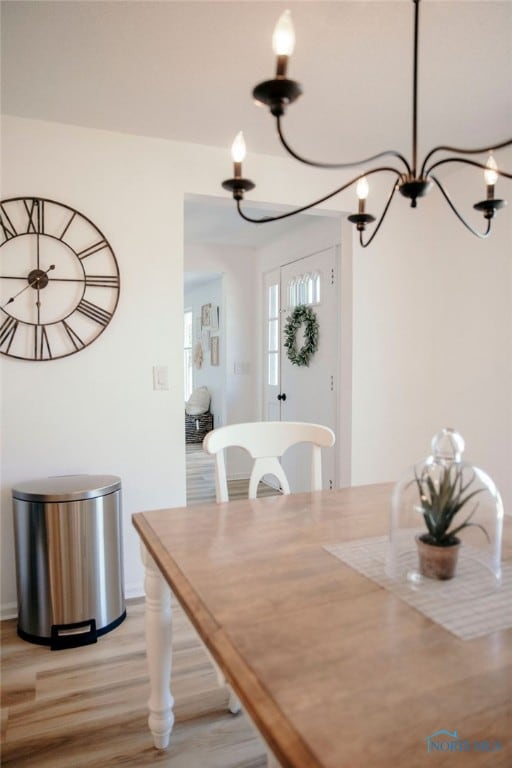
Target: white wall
432, 320
96, 412
211, 376
239, 348
432, 339
314, 233
239, 268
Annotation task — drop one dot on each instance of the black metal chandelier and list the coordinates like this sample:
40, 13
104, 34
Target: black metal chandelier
409, 179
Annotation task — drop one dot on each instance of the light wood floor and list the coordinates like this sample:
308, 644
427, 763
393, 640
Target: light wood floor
201, 479
86, 707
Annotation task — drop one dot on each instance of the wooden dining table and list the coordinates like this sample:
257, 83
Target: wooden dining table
334, 670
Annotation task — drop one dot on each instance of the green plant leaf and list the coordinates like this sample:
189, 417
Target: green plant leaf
442, 501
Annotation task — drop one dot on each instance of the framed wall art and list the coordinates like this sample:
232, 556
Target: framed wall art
205, 315
214, 350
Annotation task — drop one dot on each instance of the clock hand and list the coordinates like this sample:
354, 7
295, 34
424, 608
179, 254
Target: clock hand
30, 284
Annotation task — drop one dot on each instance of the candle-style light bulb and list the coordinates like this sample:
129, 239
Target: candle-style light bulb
238, 148
491, 204
362, 190
238, 152
283, 39
283, 42
490, 175
361, 218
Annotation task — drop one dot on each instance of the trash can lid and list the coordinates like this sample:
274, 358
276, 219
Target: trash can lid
67, 488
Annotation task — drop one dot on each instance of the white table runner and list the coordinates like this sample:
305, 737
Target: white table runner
458, 605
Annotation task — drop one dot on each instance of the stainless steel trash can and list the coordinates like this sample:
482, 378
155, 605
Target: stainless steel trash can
69, 564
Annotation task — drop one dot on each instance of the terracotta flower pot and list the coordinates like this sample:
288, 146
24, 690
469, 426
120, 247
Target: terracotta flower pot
437, 562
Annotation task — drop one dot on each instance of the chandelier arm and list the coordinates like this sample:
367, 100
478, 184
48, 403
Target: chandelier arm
460, 151
377, 226
338, 166
465, 161
481, 235
266, 219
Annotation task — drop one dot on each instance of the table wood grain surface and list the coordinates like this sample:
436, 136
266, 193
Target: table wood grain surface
335, 671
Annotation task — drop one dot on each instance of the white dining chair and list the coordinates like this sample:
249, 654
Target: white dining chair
266, 442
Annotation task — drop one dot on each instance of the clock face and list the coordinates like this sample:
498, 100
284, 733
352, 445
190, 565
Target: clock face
59, 279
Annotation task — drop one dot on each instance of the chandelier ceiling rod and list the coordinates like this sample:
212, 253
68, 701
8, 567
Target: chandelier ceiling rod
279, 92
415, 89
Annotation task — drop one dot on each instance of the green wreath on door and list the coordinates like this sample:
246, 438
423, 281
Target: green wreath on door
301, 315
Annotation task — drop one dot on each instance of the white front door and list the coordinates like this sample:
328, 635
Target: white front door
304, 393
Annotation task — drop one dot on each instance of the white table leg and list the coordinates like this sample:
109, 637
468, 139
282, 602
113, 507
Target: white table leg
158, 648
234, 705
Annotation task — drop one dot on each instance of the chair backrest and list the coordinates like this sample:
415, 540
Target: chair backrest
266, 441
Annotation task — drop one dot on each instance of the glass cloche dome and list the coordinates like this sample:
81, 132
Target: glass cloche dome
446, 510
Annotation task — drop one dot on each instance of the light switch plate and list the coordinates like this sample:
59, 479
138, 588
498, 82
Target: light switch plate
160, 377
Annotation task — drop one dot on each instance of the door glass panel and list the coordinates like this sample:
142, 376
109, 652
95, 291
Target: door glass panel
291, 294
308, 282
273, 372
303, 289
273, 301
301, 297
316, 288
273, 335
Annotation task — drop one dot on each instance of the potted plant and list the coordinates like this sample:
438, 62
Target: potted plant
441, 499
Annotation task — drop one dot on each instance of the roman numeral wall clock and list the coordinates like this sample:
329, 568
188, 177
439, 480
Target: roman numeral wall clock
59, 280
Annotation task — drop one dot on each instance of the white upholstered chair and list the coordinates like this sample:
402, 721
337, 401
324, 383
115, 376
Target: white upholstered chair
266, 441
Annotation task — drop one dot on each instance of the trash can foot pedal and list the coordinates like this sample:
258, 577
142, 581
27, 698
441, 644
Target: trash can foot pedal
73, 635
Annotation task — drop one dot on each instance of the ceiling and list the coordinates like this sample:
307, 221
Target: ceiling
216, 221
185, 71
193, 280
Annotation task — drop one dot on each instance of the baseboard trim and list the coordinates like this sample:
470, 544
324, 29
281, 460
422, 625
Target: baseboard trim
8, 611
132, 591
